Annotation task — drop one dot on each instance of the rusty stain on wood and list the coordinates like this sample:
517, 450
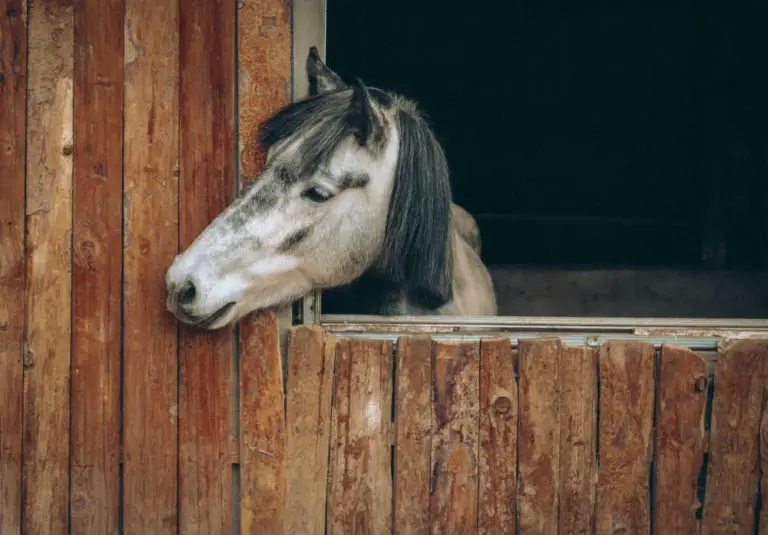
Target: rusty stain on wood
679, 451
97, 266
413, 434
498, 438
262, 427
737, 407
626, 421
48, 268
360, 481
455, 441
538, 435
13, 98
308, 429
578, 439
150, 358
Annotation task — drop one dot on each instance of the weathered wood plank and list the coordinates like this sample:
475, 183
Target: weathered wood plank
150, 356
308, 429
359, 485
763, 451
732, 471
48, 263
498, 438
262, 427
97, 266
578, 439
13, 106
206, 187
538, 435
679, 446
413, 434
455, 441
626, 420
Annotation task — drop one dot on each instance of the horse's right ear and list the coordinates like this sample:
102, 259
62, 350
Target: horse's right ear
321, 78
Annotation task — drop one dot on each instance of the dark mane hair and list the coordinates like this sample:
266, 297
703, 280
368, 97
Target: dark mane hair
416, 257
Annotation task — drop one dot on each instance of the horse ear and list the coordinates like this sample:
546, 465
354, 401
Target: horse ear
364, 118
321, 78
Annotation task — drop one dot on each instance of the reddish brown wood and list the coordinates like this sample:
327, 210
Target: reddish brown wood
48, 264
308, 429
679, 450
455, 443
13, 98
763, 447
150, 357
97, 265
626, 421
578, 439
498, 438
737, 407
538, 435
413, 434
359, 483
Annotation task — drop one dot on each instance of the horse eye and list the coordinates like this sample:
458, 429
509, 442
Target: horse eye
316, 194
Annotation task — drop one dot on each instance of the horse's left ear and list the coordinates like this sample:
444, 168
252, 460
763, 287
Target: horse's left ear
321, 78
365, 117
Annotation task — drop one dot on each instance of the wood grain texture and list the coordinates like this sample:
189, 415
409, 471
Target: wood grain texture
48, 264
455, 442
264, 60
13, 104
206, 187
679, 445
97, 266
763, 448
262, 428
538, 435
413, 434
626, 421
737, 406
150, 204
309, 387
578, 439
498, 438
359, 484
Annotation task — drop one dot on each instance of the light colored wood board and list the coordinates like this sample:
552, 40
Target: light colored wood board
206, 187
97, 266
732, 470
264, 60
413, 434
49, 238
309, 25
359, 483
538, 435
627, 381
262, 428
498, 438
308, 429
679, 443
150, 204
578, 439
455, 441
13, 99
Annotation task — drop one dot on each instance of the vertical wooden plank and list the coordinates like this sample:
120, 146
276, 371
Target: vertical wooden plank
626, 420
455, 443
359, 485
763, 451
97, 265
578, 439
308, 429
498, 437
732, 471
679, 446
206, 187
49, 232
538, 435
150, 354
13, 104
413, 434
262, 427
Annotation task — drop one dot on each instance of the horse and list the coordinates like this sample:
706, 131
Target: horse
355, 200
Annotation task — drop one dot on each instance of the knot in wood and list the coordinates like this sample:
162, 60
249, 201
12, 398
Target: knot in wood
700, 384
67, 150
502, 405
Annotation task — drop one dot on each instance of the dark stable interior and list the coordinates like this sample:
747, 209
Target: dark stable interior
589, 133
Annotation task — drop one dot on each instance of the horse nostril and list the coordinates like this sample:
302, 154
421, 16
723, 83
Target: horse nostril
187, 294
